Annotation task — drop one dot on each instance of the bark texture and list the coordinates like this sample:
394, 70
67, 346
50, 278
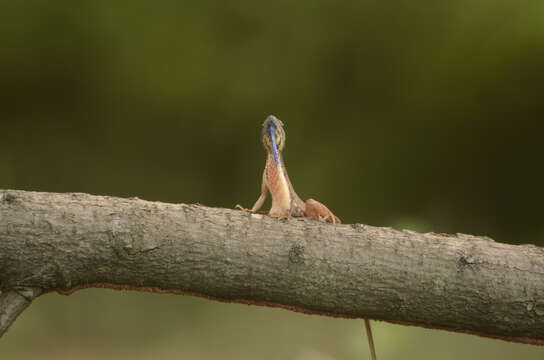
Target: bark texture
64, 242
12, 304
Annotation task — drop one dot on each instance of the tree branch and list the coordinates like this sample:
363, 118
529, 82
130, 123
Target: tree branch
65, 242
12, 304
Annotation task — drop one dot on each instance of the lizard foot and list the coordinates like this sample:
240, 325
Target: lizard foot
240, 207
318, 211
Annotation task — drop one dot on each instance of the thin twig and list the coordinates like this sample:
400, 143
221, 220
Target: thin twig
370, 339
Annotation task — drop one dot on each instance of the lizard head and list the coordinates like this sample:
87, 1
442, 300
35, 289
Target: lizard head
273, 136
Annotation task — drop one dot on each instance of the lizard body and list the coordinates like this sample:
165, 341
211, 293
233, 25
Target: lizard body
285, 201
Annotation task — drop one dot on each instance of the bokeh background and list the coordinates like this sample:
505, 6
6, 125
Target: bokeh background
424, 115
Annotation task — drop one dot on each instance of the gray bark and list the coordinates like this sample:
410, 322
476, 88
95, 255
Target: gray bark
12, 304
63, 242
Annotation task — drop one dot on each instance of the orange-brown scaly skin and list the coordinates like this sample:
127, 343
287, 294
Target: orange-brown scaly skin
285, 201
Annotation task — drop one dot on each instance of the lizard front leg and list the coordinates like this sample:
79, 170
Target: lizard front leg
260, 201
264, 191
316, 210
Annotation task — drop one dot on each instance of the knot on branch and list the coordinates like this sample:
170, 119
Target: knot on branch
296, 254
7, 198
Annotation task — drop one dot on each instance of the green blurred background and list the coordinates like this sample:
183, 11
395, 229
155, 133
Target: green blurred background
424, 115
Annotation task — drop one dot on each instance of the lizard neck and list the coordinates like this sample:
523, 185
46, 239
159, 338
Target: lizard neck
279, 186
284, 197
